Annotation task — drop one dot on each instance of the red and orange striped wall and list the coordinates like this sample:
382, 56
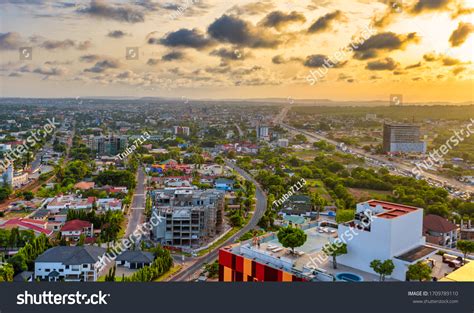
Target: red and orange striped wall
234, 268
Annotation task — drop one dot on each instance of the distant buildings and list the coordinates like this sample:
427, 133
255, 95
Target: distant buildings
107, 145
191, 217
181, 130
283, 143
66, 263
70, 202
402, 138
263, 132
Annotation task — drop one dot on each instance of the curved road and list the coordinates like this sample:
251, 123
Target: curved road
261, 206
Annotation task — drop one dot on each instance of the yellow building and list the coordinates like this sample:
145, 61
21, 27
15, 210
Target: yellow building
464, 273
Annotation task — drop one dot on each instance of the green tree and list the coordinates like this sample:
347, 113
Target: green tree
384, 268
6, 272
334, 250
466, 247
419, 271
291, 237
343, 216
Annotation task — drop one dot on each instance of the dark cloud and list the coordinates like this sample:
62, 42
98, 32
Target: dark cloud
279, 59
280, 20
89, 58
231, 29
104, 64
230, 54
152, 62
173, 56
459, 36
321, 60
458, 70
14, 74
184, 38
324, 22
58, 44
116, 34
384, 41
413, 66
10, 41
254, 8
450, 61
121, 13
430, 5
387, 64
430, 57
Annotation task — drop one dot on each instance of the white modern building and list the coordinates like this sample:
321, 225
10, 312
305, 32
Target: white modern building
283, 142
65, 263
383, 230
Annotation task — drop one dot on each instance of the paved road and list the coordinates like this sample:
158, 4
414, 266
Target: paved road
401, 166
137, 209
260, 209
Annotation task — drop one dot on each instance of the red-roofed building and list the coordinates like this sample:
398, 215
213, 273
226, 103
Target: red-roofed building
72, 230
440, 231
38, 227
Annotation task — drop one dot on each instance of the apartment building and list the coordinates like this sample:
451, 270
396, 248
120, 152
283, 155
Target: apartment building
107, 145
402, 138
191, 217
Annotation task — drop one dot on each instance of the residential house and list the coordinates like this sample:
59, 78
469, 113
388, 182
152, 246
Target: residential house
74, 229
134, 259
440, 231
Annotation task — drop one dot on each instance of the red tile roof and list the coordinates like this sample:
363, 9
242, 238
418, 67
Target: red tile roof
75, 225
438, 224
393, 209
18, 222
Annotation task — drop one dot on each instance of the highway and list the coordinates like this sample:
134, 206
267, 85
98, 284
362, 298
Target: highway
312, 137
261, 206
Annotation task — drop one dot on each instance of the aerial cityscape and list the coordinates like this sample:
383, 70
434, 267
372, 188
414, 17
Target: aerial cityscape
237, 141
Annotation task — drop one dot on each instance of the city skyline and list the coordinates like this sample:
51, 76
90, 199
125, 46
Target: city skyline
212, 49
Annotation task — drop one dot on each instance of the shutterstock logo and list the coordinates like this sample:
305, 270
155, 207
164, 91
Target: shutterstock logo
48, 298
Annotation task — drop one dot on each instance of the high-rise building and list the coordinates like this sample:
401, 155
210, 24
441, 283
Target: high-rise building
181, 130
107, 145
191, 217
263, 132
402, 138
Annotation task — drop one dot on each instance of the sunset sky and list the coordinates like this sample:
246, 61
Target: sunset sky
422, 49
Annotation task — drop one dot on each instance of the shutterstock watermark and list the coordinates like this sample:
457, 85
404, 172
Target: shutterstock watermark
32, 140
287, 195
180, 9
344, 238
437, 155
49, 298
126, 243
130, 149
338, 57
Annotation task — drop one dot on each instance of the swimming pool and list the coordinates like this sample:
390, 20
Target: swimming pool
351, 277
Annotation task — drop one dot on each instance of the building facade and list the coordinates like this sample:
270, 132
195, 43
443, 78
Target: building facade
402, 138
191, 217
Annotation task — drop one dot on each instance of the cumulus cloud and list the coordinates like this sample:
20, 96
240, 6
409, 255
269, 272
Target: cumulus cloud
279, 19
234, 54
280, 59
460, 35
116, 34
321, 60
185, 38
152, 61
103, 64
387, 64
121, 13
50, 71
173, 56
10, 41
231, 29
324, 22
383, 41
430, 5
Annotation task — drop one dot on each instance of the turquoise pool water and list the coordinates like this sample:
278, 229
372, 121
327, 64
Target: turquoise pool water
351, 277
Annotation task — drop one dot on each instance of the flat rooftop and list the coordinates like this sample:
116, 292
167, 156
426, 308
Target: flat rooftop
392, 210
416, 254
